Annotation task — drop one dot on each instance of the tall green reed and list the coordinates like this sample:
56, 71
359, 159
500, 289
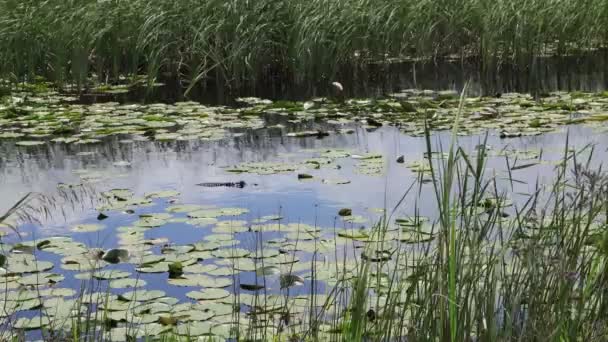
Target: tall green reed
237, 42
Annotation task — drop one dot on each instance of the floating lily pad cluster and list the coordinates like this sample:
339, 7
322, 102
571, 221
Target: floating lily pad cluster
371, 164
31, 119
36, 118
231, 286
211, 271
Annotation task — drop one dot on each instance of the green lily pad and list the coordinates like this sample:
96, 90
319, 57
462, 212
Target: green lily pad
41, 278
29, 143
126, 283
159, 267
142, 295
29, 266
231, 253
208, 294
32, 323
193, 329
87, 228
163, 194
111, 274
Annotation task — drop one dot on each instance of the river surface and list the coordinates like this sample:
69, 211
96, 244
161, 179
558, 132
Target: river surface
144, 167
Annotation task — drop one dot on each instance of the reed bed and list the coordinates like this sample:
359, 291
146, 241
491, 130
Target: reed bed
235, 43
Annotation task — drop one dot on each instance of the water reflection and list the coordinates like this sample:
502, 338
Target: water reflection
151, 166
582, 72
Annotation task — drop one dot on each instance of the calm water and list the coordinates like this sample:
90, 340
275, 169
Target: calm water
179, 166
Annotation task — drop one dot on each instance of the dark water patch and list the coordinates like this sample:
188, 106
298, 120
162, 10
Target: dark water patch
585, 71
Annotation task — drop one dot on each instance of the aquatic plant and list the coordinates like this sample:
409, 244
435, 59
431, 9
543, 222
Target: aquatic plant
492, 265
303, 42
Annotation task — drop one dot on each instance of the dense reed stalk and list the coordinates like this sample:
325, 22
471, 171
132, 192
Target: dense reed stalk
305, 42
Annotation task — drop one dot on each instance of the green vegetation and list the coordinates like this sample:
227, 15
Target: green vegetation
486, 268
33, 119
305, 42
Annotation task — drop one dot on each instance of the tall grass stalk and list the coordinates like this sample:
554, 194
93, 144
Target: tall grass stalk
237, 42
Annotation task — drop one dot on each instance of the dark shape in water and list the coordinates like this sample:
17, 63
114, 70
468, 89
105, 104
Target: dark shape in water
345, 212
371, 315
374, 122
322, 134
251, 287
115, 256
239, 184
304, 176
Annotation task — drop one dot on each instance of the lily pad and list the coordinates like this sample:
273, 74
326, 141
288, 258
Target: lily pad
29, 143
208, 294
126, 283
87, 228
142, 295
231, 253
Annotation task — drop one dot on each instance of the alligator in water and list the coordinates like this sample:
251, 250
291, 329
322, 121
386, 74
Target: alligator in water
239, 185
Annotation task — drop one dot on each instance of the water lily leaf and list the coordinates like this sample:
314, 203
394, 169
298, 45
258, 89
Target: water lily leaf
63, 308
151, 259
185, 208
219, 238
177, 249
214, 213
41, 278
35, 322
412, 221
206, 246
222, 271
199, 268
111, 274
355, 234
57, 292
159, 267
29, 143
118, 194
192, 329
152, 307
187, 280
97, 297
142, 295
215, 282
354, 219
268, 270
159, 216
163, 194
29, 266
87, 228
231, 253
150, 222
127, 283
208, 294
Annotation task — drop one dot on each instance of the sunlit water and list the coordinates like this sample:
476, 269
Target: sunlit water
181, 165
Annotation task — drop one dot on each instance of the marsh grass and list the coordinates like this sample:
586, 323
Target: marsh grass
235, 43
